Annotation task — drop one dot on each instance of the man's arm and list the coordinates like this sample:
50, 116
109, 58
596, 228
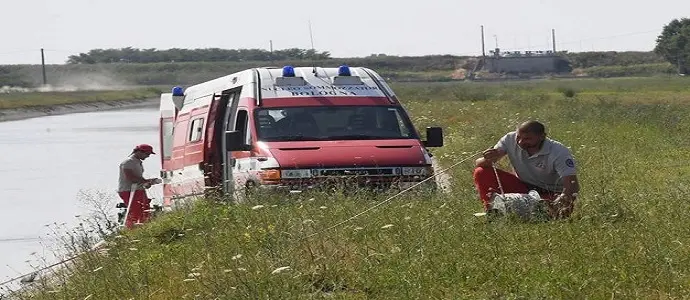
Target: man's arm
133, 177
565, 166
571, 187
489, 157
492, 155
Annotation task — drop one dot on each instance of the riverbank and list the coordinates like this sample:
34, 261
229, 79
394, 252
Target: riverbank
14, 114
24, 105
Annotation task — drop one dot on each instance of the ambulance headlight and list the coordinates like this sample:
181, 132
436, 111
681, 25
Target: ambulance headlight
414, 171
295, 173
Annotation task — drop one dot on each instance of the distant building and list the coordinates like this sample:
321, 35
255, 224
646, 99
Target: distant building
526, 62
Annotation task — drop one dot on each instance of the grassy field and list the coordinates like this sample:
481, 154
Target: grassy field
39, 99
628, 237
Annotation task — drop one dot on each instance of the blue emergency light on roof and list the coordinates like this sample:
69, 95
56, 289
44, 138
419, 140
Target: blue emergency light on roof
288, 71
177, 91
344, 70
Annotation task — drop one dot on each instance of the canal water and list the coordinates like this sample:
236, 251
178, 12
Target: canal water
58, 170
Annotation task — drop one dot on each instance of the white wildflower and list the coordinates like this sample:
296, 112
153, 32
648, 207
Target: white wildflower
281, 269
193, 274
257, 207
238, 256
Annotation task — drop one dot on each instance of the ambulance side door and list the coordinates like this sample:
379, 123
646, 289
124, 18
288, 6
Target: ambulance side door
229, 125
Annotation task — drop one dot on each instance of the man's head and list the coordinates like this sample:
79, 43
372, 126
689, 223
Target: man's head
530, 135
143, 151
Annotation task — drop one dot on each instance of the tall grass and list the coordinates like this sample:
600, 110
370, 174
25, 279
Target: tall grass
628, 237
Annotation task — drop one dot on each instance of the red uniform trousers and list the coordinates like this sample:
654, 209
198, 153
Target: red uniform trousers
138, 212
485, 182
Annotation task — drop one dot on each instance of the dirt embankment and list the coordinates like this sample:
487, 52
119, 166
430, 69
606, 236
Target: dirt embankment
13, 114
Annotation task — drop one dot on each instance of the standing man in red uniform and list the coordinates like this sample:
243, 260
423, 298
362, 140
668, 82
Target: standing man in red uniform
132, 172
539, 163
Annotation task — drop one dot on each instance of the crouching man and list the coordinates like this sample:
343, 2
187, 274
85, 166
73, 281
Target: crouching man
539, 163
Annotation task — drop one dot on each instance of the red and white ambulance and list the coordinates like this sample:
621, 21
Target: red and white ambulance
289, 128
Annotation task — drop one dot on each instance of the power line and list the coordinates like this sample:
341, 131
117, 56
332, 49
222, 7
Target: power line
570, 42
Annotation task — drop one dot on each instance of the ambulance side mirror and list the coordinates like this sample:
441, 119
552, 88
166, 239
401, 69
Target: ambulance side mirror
434, 137
234, 141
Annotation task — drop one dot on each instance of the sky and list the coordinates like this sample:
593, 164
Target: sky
350, 28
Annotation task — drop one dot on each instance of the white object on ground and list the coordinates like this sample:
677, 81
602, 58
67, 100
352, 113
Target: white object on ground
524, 205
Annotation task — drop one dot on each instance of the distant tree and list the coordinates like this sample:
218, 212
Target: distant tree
674, 44
133, 55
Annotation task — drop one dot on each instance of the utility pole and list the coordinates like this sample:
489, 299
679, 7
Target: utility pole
483, 49
553, 36
43, 67
270, 42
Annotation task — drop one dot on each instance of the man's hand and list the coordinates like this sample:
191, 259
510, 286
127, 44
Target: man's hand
493, 154
151, 181
489, 156
562, 206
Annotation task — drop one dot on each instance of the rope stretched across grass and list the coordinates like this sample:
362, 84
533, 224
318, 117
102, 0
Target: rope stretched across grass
392, 197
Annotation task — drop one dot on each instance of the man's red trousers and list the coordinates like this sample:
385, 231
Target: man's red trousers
138, 212
485, 182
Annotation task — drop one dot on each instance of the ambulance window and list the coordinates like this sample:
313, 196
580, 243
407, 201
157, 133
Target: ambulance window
196, 130
241, 124
392, 116
167, 134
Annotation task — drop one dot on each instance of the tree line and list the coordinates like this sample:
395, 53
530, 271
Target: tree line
135, 55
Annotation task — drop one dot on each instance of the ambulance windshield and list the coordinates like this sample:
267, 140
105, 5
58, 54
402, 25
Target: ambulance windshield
319, 123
